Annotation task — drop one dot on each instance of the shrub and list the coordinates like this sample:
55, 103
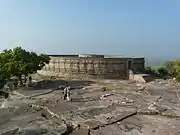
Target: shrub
173, 68
162, 72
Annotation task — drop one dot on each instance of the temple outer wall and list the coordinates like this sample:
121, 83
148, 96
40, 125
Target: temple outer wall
101, 67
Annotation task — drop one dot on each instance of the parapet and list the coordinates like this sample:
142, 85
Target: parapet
97, 65
90, 56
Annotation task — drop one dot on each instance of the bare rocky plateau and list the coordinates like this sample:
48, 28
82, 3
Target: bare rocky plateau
98, 107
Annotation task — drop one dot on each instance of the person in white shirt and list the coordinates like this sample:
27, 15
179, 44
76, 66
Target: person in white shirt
67, 93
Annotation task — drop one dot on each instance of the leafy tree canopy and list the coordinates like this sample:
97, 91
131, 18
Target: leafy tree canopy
18, 62
173, 68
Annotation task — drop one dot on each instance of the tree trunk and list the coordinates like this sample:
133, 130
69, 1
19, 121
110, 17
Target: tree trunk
20, 80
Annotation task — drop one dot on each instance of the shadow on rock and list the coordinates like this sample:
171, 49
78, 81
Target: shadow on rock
47, 84
59, 84
88, 99
79, 84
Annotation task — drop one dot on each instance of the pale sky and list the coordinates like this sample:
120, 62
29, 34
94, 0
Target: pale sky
118, 27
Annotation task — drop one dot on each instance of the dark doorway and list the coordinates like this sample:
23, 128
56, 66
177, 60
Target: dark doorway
129, 64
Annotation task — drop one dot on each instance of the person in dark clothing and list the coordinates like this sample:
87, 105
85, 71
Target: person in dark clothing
30, 79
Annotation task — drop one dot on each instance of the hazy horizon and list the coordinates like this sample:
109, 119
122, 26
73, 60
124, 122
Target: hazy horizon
118, 27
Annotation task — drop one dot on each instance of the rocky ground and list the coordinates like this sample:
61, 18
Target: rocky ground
98, 107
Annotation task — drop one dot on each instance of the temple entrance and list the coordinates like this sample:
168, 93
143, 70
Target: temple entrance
129, 66
129, 70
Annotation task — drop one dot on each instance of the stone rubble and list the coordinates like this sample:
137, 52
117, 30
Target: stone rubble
93, 111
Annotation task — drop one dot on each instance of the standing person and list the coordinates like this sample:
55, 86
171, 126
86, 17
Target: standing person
67, 93
30, 79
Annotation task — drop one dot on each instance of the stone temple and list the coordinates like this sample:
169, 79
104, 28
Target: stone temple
96, 65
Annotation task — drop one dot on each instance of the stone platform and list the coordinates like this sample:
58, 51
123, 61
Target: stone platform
98, 107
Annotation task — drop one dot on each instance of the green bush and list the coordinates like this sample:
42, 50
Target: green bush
162, 72
170, 69
149, 70
173, 68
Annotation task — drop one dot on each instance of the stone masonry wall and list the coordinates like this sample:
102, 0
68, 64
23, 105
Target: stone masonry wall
105, 67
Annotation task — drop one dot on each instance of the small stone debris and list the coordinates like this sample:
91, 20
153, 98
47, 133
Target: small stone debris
163, 82
117, 100
152, 107
126, 100
103, 97
104, 88
45, 115
84, 88
140, 86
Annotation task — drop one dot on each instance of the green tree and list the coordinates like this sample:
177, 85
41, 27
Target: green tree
6, 67
173, 68
18, 62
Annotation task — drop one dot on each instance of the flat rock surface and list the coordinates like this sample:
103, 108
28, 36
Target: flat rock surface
98, 107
